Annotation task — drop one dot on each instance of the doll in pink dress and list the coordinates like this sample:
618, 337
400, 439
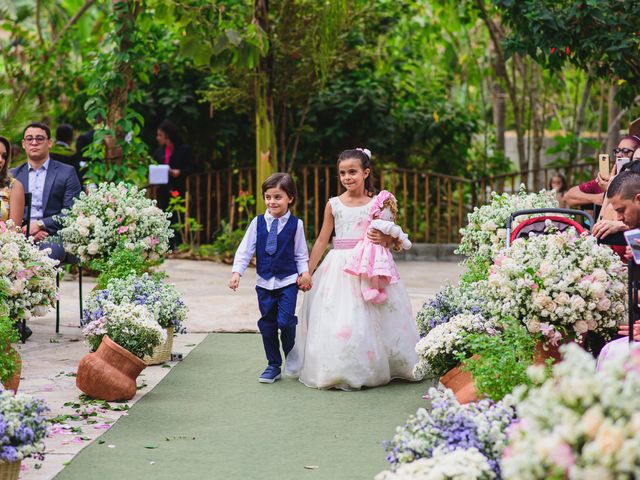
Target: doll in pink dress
374, 263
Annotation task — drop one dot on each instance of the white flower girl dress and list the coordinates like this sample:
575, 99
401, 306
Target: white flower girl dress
342, 341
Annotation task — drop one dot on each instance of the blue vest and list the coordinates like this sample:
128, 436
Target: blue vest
282, 263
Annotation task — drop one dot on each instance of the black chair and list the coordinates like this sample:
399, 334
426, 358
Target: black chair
69, 259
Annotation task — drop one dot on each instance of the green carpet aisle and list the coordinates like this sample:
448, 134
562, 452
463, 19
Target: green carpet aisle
222, 424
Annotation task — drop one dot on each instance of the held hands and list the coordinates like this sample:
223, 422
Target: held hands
305, 282
605, 228
174, 172
234, 281
624, 330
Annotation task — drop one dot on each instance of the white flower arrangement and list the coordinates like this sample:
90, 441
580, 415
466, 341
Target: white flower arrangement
438, 349
23, 426
27, 276
561, 285
162, 299
485, 235
458, 464
115, 215
133, 327
579, 423
449, 426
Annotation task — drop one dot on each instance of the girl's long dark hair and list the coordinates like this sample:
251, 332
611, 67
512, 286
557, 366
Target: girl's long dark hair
365, 162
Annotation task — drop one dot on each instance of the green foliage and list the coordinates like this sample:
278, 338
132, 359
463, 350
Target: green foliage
121, 264
8, 358
227, 242
114, 85
177, 205
477, 270
596, 35
500, 361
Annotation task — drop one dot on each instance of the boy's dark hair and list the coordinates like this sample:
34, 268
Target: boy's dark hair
64, 133
284, 182
626, 184
40, 125
365, 162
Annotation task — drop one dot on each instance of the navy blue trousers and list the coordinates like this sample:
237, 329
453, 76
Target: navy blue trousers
278, 310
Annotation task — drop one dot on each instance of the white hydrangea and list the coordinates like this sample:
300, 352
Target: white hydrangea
579, 423
458, 464
27, 275
111, 215
547, 283
438, 349
485, 234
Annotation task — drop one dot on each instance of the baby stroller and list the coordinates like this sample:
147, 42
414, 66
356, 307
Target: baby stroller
538, 225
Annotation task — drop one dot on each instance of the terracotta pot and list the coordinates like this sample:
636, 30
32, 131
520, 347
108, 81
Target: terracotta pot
110, 372
461, 383
14, 382
543, 351
10, 471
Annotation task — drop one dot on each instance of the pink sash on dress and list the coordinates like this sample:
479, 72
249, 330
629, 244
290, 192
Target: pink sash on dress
344, 243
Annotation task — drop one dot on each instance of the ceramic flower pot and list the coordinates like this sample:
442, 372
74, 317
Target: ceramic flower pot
14, 382
9, 471
543, 351
162, 353
110, 372
461, 383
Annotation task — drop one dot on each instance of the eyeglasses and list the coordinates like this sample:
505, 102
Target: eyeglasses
38, 139
625, 151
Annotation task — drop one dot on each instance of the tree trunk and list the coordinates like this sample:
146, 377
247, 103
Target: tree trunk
613, 130
126, 12
500, 68
537, 134
266, 146
579, 123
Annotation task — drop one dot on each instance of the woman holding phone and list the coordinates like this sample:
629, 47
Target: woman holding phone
607, 223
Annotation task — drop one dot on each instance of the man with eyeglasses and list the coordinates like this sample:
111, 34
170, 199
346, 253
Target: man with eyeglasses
53, 186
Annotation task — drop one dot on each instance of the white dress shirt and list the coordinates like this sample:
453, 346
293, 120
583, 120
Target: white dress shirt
247, 248
36, 187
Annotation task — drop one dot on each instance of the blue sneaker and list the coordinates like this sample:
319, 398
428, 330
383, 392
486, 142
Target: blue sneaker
270, 375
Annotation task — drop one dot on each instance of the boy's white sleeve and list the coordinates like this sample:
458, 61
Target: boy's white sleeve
247, 248
301, 251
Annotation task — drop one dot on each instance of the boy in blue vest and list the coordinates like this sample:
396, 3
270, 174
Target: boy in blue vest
282, 264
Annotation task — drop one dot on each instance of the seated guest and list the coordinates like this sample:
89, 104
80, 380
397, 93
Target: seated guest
53, 186
624, 196
592, 192
11, 190
607, 222
559, 184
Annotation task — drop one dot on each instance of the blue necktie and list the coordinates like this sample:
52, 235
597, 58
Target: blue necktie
272, 239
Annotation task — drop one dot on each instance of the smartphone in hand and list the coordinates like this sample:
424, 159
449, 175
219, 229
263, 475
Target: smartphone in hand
604, 169
632, 238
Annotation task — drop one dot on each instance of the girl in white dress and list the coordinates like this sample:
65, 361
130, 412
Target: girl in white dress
342, 341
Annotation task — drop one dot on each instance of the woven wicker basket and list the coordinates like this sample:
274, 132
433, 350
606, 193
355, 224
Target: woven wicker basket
162, 353
9, 471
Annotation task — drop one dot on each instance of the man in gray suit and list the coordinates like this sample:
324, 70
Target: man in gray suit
53, 186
